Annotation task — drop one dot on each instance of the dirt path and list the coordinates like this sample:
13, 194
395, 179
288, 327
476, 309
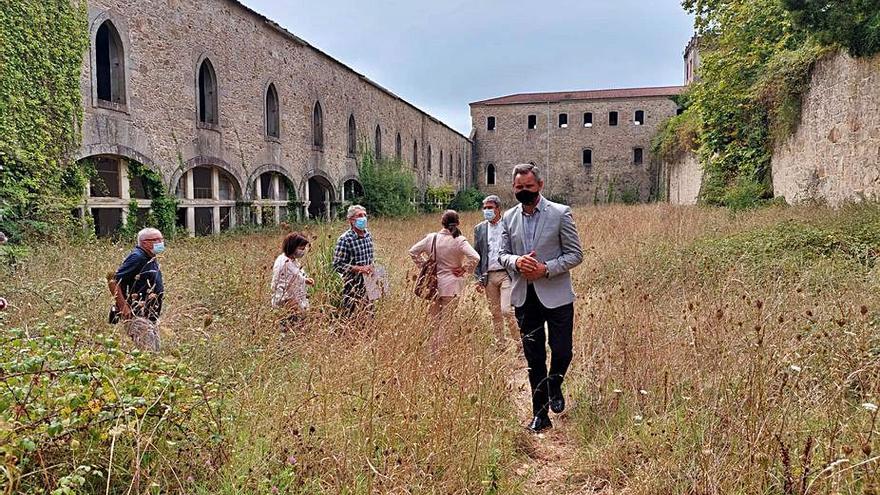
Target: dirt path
549, 455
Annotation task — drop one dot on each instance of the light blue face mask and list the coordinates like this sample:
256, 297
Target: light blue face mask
158, 247
489, 214
361, 223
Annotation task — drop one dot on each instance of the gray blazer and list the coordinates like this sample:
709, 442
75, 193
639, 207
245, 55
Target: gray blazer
556, 244
481, 244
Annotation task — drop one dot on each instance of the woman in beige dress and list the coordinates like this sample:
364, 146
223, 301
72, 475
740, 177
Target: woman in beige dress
455, 258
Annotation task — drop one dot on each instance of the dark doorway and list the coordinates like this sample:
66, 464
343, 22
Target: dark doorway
320, 197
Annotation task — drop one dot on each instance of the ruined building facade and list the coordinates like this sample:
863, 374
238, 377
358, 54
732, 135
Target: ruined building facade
243, 121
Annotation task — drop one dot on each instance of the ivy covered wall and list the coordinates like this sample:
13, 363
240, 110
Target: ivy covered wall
42, 43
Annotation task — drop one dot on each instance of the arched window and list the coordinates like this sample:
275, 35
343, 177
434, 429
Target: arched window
318, 125
490, 175
398, 148
110, 61
440, 163
378, 142
273, 121
450, 165
430, 159
415, 160
352, 136
208, 112
459, 167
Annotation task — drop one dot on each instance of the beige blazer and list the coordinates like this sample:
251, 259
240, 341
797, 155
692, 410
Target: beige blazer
452, 253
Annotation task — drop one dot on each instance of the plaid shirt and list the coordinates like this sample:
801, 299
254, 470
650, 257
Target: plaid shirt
352, 250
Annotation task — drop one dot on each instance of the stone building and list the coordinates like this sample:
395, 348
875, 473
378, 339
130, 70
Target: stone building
242, 120
592, 146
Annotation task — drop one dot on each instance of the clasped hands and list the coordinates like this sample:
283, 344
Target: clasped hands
530, 267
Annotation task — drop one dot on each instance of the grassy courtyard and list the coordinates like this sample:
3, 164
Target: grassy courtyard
714, 353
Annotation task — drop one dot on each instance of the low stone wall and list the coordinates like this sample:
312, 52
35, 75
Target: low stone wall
834, 155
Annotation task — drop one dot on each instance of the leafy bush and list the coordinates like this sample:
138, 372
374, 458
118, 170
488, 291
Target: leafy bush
852, 24
439, 196
80, 412
388, 186
469, 199
40, 114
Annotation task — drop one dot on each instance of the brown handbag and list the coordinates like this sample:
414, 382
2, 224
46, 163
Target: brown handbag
426, 282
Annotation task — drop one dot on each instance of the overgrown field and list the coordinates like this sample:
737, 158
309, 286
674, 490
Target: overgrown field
713, 354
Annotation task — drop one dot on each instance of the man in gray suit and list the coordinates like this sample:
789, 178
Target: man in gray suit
539, 246
492, 278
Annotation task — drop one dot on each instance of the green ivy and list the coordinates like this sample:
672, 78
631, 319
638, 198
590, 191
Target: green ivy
854, 24
755, 66
42, 43
163, 209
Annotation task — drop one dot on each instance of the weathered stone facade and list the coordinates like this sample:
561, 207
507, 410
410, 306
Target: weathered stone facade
205, 126
834, 155
681, 180
528, 130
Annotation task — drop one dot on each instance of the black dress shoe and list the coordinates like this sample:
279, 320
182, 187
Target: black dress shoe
557, 404
540, 423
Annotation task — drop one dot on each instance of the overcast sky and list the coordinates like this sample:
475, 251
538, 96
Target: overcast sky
441, 55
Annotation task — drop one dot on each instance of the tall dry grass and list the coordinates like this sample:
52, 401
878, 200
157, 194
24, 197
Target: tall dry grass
722, 354
701, 365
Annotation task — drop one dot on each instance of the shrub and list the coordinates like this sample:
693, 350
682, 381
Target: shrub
437, 198
388, 186
80, 411
469, 199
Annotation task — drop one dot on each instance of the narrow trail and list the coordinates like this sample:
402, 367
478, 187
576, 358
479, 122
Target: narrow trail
551, 455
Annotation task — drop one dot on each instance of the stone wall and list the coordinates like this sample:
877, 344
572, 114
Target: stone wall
165, 42
613, 175
682, 180
834, 155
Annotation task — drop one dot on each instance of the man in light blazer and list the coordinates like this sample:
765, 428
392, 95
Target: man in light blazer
492, 278
539, 246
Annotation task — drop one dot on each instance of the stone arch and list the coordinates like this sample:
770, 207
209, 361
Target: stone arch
270, 189
87, 151
269, 167
112, 191
210, 161
209, 192
350, 184
318, 194
121, 32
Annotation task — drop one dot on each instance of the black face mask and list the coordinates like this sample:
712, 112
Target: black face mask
527, 197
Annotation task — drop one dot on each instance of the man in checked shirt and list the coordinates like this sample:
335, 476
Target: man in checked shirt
353, 259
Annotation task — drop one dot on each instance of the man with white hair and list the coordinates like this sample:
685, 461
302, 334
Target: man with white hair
137, 285
353, 258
